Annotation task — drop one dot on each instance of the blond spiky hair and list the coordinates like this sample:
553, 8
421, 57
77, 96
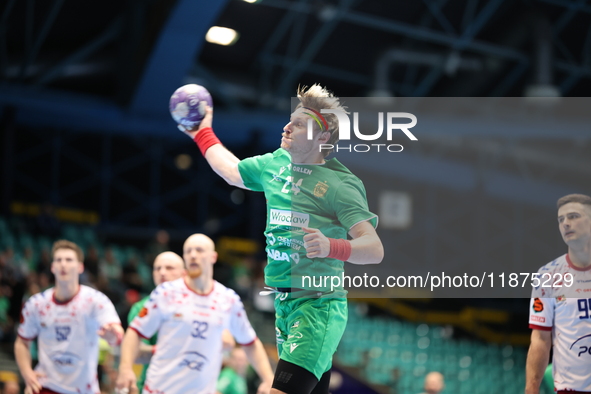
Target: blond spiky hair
317, 98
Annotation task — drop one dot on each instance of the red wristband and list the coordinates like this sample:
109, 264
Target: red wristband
340, 249
205, 139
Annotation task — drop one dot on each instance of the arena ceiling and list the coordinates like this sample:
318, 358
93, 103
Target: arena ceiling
114, 50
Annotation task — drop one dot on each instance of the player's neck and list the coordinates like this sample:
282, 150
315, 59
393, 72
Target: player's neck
200, 285
580, 256
65, 291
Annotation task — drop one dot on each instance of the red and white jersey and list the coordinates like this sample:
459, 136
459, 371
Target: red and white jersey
67, 337
566, 311
188, 355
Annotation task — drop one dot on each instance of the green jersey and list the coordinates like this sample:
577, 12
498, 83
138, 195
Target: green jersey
133, 312
325, 196
229, 382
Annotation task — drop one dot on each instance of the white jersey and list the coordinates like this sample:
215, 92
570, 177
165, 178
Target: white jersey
566, 311
188, 355
67, 337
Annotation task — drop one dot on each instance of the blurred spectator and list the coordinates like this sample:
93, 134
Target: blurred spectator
102, 285
106, 371
29, 262
131, 296
232, 379
45, 281
7, 269
131, 277
33, 286
13, 283
434, 383
44, 262
91, 264
243, 276
110, 269
47, 222
9, 382
159, 245
5, 321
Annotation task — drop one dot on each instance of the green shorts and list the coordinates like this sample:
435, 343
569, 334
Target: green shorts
309, 330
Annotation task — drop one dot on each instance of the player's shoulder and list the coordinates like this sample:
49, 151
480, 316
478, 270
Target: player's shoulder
87, 291
339, 170
170, 287
140, 303
281, 153
219, 290
554, 265
41, 297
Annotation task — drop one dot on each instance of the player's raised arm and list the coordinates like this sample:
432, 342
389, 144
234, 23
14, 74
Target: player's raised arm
221, 160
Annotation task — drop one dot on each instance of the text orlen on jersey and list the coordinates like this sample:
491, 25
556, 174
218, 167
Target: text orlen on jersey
345, 131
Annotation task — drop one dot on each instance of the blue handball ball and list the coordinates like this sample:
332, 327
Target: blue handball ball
187, 106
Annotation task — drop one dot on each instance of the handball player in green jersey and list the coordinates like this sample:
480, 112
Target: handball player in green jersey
317, 218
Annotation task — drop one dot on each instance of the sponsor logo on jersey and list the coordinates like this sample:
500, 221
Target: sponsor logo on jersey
320, 189
275, 178
540, 319
143, 312
65, 363
291, 242
538, 305
277, 255
296, 324
62, 333
297, 335
282, 296
283, 168
560, 298
583, 347
289, 218
303, 170
194, 361
178, 316
270, 239
292, 347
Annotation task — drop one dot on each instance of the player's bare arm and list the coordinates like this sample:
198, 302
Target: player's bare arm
537, 360
221, 160
129, 350
22, 354
260, 362
366, 246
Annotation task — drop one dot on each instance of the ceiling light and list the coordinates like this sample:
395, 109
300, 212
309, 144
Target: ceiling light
252, 1
221, 35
